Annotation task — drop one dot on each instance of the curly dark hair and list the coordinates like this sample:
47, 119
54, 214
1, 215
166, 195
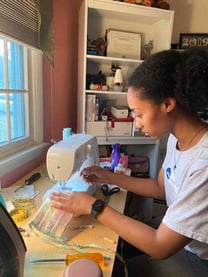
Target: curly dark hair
172, 73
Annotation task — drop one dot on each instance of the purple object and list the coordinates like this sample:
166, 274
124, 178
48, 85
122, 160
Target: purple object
115, 155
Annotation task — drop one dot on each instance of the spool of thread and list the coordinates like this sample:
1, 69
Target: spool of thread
66, 133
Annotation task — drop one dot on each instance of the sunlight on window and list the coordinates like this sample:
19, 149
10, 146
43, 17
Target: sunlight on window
13, 92
2, 69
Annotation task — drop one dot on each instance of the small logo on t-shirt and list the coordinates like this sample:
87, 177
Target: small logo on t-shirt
168, 172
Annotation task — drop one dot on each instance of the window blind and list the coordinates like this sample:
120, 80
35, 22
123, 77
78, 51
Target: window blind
27, 21
19, 19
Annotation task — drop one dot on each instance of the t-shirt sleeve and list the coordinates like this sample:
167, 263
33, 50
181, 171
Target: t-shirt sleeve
188, 215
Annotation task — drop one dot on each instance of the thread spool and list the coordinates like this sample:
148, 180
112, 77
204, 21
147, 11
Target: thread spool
66, 133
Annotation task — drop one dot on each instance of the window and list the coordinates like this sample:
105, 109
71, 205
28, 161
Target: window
14, 92
21, 115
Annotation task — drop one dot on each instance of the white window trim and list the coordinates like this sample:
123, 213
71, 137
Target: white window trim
30, 152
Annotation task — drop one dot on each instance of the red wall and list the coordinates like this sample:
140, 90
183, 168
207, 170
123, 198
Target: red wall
60, 82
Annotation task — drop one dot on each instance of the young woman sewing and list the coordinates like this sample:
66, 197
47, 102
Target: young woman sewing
165, 93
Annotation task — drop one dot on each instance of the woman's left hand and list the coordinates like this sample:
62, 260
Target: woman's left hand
76, 203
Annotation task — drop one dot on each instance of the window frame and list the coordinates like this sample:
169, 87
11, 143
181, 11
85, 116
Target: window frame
22, 151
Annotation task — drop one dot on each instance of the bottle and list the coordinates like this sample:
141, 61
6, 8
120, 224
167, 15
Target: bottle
120, 169
115, 154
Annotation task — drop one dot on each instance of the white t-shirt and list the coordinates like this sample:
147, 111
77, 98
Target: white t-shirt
186, 188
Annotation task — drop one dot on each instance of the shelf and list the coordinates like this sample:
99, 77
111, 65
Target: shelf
126, 140
106, 92
121, 10
112, 60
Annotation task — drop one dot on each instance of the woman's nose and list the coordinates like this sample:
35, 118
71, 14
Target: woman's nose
138, 122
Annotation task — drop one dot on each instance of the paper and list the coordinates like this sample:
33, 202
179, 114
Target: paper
15, 192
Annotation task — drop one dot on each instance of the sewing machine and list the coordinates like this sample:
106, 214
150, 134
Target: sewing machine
66, 158
64, 161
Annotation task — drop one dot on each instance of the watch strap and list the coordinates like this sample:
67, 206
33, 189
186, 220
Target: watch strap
97, 207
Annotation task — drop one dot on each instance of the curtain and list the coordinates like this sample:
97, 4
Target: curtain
31, 22
46, 34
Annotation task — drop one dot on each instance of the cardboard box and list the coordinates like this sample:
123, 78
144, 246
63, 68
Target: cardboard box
109, 128
122, 44
119, 111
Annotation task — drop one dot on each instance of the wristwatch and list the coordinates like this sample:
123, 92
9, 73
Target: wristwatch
97, 207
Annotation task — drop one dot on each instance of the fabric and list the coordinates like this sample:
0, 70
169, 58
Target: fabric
186, 186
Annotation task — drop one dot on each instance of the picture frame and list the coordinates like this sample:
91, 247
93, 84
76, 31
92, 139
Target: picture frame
122, 44
193, 40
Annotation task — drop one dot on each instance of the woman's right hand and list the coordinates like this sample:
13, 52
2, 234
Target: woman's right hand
97, 175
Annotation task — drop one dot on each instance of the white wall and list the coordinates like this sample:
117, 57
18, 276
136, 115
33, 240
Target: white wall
191, 16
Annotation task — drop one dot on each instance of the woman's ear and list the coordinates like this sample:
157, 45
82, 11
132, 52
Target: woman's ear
168, 104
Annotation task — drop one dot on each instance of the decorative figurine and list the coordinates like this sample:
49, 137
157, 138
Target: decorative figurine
147, 49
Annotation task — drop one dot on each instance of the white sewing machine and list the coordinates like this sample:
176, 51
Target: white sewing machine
66, 158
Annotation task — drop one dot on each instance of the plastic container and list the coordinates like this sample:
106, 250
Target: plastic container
120, 169
83, 267
51, 222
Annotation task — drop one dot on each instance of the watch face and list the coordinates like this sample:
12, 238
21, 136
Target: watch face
98, 205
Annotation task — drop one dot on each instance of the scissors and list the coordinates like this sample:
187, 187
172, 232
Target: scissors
107, 191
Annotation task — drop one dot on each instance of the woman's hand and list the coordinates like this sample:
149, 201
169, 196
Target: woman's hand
76, 203
97, 175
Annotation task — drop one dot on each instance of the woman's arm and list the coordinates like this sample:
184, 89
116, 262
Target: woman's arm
160, 243
147, 187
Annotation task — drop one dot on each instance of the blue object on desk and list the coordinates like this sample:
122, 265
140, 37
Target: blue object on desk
2, 201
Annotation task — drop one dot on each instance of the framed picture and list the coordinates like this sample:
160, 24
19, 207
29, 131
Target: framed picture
193, 40
121, 44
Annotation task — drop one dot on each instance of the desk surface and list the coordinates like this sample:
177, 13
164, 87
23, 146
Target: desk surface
37, 249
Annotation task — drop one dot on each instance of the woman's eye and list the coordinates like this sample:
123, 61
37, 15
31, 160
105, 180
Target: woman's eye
138, 115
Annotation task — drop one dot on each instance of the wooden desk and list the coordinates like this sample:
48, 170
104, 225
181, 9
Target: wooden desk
37, 249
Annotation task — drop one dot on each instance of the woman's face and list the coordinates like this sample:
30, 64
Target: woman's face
152, 118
